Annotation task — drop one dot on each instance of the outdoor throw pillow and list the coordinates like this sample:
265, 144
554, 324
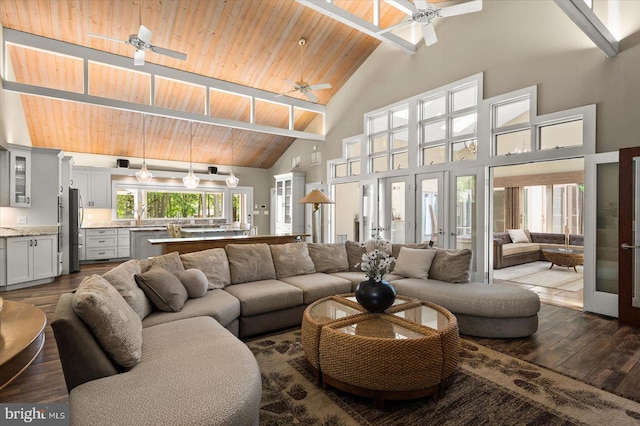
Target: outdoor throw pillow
329, 258
121, 277
291, 259
518, 236
163, 288
451, 266
414, 263
114, 323
213, 263
195, 282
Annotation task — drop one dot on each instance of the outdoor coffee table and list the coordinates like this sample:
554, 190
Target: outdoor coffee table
564, 257
408, 352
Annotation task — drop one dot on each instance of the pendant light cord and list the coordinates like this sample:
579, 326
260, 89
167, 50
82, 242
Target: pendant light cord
191, 144
144, 140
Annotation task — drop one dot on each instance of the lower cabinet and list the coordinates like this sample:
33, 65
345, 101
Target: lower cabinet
31, 258
3, 262
106, 243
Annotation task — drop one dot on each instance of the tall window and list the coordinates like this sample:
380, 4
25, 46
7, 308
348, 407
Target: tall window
449, 125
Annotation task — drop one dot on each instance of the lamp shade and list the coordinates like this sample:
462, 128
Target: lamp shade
315, 197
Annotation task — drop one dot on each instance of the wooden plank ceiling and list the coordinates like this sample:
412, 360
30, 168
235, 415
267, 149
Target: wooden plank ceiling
249, 42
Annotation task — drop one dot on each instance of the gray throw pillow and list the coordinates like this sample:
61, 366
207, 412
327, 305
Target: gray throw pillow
163, 288
170, 261
451, 266
195, 282
213, 263
354, 254
121, 277
291, 259
329, 258
250, 262
414, 263
114, 323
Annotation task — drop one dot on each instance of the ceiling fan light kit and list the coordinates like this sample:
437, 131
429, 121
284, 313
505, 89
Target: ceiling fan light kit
301, 85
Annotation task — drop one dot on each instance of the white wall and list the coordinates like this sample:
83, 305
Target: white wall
516, 44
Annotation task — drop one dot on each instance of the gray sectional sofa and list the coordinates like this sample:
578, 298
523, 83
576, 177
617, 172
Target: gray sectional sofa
185, 364
507, 253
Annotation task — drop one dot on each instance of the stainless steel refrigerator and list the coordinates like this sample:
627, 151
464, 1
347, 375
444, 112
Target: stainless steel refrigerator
76, 213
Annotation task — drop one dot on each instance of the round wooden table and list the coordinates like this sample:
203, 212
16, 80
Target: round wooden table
21, 338
408, 352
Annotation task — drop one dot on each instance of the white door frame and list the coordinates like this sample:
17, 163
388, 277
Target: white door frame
594, 301
443, 207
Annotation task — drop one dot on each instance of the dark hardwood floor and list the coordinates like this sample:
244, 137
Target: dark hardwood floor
588, 347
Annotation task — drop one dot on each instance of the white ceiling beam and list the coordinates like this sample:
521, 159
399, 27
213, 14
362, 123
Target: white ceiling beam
591, 25
353, 21
404, 6
46, 92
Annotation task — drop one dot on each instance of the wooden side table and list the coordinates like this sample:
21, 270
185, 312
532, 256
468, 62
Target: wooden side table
21, 338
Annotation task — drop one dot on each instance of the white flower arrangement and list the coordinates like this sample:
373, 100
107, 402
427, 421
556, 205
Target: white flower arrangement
376, 263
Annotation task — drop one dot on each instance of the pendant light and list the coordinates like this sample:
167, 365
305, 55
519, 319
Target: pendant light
232, 180
191, 181
143, 175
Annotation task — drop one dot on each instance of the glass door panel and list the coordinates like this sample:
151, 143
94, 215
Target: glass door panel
398, 212
430, 205
368, 219
347, 212
465, 231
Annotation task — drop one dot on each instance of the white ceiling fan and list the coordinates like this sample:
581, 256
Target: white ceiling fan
424, 13
302, 86
142, 42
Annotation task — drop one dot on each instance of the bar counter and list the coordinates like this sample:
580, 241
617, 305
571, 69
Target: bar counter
188, 245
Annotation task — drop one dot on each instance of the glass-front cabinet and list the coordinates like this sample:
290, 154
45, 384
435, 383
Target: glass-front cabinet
289, 213
20, 178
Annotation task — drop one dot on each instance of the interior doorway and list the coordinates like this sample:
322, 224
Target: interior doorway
538, 229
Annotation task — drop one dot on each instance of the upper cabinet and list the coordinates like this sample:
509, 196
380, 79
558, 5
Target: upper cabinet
19, 177
289, 213
94, 187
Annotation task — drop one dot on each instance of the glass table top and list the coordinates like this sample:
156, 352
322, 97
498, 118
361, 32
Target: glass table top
330, 310
426, 316
380, 328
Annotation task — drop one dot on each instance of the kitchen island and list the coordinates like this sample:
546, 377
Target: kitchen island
188, 245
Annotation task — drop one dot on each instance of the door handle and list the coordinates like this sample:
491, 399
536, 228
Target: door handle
628, 247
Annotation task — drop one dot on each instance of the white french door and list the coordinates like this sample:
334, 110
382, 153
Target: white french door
395, 217
431, 209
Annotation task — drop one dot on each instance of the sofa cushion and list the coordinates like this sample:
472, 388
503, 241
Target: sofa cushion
192, 372
218, 304
114, 323
355, 250
319, 285
518, 248
518, 236
163, 288
250, 262
213, 263
291, 259
258, 297
451, 265
395, 248
121, 277
170, 261
414, 263
195, 282
357, 277
329, 258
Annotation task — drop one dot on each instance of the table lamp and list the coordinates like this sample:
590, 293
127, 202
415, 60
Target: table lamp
316, 198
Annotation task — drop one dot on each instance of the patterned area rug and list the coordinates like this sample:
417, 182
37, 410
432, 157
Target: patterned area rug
490, 388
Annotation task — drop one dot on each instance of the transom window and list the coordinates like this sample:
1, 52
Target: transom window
388, 140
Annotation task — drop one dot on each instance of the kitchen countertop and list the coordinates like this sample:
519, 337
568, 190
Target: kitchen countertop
24, 231
235, 237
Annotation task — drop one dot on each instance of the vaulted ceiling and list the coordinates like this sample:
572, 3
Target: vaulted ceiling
249, 42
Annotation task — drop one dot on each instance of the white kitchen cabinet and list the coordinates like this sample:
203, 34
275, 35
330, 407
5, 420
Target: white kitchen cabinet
19, 177
289, 213
101, 243
94, 187
124, 239
31, 258
3, 262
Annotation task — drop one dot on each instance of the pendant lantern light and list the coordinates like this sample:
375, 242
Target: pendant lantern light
232, 180
143, 175
191, 181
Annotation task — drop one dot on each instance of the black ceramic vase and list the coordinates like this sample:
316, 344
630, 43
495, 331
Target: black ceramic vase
375, 296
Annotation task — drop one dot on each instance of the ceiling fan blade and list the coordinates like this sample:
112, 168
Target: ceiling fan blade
286, 93
460, 9
310, 96
394, 27
293, 83
167, 52
429, 34
320, 86
107, 38
421, 4
138, 58
144, 34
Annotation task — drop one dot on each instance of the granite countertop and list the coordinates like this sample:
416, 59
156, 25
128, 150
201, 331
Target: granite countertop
192, 239
24, 231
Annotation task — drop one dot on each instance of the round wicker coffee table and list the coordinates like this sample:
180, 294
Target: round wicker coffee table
408, 352
564, 257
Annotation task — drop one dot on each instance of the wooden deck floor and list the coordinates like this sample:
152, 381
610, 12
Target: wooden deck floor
588, 347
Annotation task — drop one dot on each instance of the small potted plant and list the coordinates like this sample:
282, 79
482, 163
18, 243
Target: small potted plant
375, 294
